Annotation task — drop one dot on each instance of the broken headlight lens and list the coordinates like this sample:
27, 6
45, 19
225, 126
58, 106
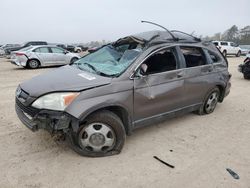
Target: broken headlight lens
55, 101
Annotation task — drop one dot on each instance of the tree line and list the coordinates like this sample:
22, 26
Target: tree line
234, 34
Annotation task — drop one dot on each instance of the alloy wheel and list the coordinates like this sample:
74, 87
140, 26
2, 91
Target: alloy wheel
97, 137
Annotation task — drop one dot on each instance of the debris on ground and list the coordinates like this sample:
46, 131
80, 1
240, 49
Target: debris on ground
169, 165
232, 173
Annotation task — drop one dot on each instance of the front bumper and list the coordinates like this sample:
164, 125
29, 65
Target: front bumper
35, 119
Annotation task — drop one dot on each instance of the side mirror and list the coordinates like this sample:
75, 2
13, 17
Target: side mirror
141, 72
143, 69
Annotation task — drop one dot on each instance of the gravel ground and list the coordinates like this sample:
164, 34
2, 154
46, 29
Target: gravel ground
200, 147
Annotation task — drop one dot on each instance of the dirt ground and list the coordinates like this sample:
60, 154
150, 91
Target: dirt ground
200, 147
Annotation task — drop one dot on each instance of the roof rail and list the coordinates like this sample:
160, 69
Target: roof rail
174, 38
195, 38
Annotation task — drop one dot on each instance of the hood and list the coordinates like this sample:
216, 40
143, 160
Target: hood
65, 78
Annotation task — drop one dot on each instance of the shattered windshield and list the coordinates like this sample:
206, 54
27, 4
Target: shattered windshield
109, 60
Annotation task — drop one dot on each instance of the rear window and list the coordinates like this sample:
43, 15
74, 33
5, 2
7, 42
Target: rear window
194, 56
224, 43
42, 50
26, 48
214, 57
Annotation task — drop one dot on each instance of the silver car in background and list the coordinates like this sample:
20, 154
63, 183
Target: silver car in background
39, 56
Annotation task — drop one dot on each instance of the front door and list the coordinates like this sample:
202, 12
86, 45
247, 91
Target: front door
44, 55
59, 55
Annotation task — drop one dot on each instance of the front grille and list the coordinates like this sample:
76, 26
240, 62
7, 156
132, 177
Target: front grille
27, 109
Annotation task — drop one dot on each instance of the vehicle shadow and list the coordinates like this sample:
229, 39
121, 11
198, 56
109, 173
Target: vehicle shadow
40, 68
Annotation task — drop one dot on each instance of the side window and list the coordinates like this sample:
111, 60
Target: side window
213, 56
42, 50
57, 50
224, 44
216, 43
194, 56
162, 61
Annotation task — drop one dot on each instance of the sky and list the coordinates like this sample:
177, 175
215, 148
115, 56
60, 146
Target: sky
75, 21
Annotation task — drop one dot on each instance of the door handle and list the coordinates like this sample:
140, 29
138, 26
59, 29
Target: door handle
207, 70
210, 69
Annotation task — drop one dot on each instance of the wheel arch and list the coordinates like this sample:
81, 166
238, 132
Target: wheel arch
34, 59
222, 92
119, 110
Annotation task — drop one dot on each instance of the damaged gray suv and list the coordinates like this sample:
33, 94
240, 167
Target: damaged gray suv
138, 80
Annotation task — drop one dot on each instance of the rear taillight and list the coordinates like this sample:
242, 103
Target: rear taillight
19, 54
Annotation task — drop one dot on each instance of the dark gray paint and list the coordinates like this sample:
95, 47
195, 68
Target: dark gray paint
145, 99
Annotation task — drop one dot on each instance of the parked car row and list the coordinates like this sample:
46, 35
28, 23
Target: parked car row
231, 48
8, 48
72, 48
31, 43
45, 55
228, 48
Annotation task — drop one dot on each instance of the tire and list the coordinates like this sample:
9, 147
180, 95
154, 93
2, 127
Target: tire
238, 54
78, 51
224, 53
33, 64
74, 59
210, 102
102, 134
246, 77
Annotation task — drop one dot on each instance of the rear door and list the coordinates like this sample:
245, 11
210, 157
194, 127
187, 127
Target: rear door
199, 74
234, 49
44, 55
159, 88
59, 55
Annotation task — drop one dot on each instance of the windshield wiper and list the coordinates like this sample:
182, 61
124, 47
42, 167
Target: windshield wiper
106, 75
92, 67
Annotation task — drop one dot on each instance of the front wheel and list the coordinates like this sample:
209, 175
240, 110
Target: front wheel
102, 134
210, 102
74, 59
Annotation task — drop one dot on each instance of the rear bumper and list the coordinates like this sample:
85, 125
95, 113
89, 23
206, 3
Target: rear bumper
16, 62
51, 121
228, 86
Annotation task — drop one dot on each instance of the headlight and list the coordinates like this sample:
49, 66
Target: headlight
55, 101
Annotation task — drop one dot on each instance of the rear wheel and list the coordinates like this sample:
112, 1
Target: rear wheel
210, 102
224, 53
238, 54
101, 135
33, 64
78, 51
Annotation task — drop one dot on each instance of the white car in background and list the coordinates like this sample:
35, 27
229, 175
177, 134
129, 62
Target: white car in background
228, 48
2, 52
39, 56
